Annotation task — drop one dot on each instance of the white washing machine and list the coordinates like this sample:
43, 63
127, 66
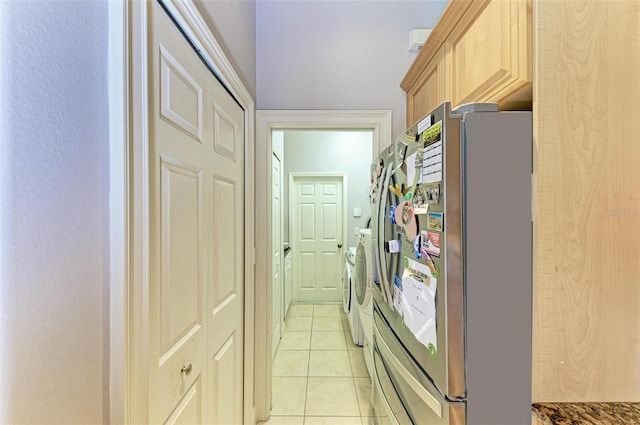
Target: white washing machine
349, 301
363, 280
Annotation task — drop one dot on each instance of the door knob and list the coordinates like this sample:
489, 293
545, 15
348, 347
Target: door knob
186, 370
339, 245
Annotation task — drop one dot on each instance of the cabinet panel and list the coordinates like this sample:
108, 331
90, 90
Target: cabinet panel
429, 90
491, 56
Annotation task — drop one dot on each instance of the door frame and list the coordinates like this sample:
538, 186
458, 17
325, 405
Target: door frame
129, 198
345, 203
280, 156
379, 122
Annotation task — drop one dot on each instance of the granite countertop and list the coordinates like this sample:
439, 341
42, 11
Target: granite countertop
587, 413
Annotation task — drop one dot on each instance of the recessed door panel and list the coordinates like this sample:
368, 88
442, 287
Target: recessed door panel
308, 270
330, 278
181, 96
189, 409
330, 221
224, 383
329, 189
225, 132
182, 271
307, 222
224, 260
307, 189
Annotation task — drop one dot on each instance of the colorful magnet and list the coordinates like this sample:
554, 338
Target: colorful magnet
416, 246
407, 219
398, 190
433, 267
430, 243
433, 353
420, 204
392, 215
435, 221
392, 246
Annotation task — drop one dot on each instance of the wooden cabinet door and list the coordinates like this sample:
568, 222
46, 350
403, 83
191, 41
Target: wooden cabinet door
429, 90
491, 54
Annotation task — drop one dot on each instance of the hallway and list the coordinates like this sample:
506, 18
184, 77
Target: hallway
319, 374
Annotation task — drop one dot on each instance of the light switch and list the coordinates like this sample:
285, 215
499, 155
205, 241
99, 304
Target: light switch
357, 232
357, 212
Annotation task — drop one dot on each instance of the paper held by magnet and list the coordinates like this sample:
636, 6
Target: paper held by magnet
397, 294
430, 243
432, 163
420, 201
425, 123
418, 304
411, 168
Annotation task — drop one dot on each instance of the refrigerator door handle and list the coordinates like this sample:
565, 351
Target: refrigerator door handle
383, 207
422, 392
379, 232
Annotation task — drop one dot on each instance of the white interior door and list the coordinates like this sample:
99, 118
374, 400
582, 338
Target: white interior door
196, 261
317, 237
276, 237
226, 282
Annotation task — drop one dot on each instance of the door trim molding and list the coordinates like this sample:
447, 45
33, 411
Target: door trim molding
379, 122
345, 204
130, 198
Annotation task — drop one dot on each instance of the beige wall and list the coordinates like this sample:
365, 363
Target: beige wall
54, 247
233, 24
332, 151
344, 54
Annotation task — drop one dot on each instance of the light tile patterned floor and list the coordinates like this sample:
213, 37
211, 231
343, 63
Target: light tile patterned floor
319, 374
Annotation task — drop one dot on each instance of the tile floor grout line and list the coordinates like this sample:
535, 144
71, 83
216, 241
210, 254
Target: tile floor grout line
353, 378
308, 368
306, 395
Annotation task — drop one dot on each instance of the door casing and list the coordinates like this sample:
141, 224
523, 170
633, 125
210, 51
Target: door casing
379, 122
128, 215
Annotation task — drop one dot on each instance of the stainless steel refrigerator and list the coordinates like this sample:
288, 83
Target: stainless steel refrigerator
451, 200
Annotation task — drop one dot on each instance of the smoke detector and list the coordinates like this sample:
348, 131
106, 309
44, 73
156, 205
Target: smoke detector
417, 38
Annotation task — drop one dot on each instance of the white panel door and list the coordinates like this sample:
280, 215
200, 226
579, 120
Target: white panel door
226, 257
276, 237
196, 185
316, 225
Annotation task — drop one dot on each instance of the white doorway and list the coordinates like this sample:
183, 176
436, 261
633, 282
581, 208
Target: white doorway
277, 318
379, 123
317, 215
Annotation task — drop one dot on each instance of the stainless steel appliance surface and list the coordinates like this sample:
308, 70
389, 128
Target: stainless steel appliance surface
452, 277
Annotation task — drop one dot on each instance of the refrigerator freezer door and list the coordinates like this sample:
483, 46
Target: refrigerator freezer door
402, 389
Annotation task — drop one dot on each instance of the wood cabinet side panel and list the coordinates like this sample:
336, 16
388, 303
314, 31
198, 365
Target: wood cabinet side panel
586, 201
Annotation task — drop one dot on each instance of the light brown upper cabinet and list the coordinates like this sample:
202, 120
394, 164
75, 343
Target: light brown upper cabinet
491, 55
480, 51
429, 90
